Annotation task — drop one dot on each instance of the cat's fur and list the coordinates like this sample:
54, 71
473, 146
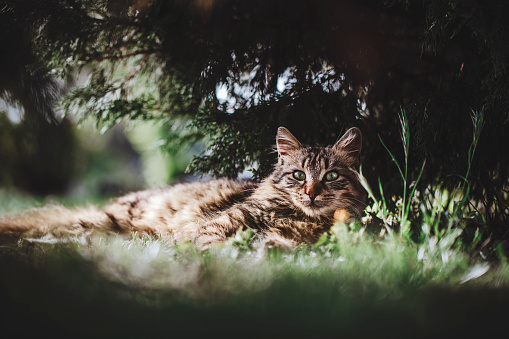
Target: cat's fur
285, 211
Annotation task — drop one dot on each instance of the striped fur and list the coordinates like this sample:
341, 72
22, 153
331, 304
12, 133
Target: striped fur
283, 210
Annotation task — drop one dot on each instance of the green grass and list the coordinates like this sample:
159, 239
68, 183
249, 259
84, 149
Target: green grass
352, 284
357, 281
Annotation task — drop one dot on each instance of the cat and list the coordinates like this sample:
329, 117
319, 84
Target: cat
299, 201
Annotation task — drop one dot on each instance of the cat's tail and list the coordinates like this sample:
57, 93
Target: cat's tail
56, 224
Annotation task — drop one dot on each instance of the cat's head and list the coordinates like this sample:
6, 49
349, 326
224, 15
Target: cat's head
320, 180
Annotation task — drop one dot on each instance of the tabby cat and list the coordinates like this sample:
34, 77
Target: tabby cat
296, 203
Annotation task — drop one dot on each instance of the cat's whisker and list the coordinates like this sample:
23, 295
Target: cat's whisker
359, 201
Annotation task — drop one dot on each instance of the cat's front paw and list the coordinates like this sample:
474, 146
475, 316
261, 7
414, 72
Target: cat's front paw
275, 240
205, 241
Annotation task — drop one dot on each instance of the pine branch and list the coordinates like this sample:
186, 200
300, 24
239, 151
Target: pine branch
100, 57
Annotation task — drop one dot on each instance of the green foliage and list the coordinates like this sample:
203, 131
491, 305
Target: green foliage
405, 203
432, 216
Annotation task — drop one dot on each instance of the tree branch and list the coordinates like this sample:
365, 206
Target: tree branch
120, 56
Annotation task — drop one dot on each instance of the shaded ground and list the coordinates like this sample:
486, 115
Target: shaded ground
58, 292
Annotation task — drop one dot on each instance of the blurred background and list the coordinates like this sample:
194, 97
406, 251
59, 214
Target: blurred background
78, 161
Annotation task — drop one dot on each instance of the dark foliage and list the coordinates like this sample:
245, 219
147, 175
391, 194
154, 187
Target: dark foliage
342, 63
37, 156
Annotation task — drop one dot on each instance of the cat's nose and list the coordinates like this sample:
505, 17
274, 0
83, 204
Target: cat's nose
313, 190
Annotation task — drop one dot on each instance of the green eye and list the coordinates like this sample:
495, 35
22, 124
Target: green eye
331, 176
299, 175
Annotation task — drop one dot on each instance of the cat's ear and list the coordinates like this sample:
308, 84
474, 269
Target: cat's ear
350, 143
286, 142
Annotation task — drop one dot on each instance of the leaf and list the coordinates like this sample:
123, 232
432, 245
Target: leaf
393, 158
321, 241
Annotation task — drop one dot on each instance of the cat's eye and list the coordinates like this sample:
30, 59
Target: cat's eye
331, 176
299, 175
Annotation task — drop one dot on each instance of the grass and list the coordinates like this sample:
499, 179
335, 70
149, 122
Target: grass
419, 270
355, 282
